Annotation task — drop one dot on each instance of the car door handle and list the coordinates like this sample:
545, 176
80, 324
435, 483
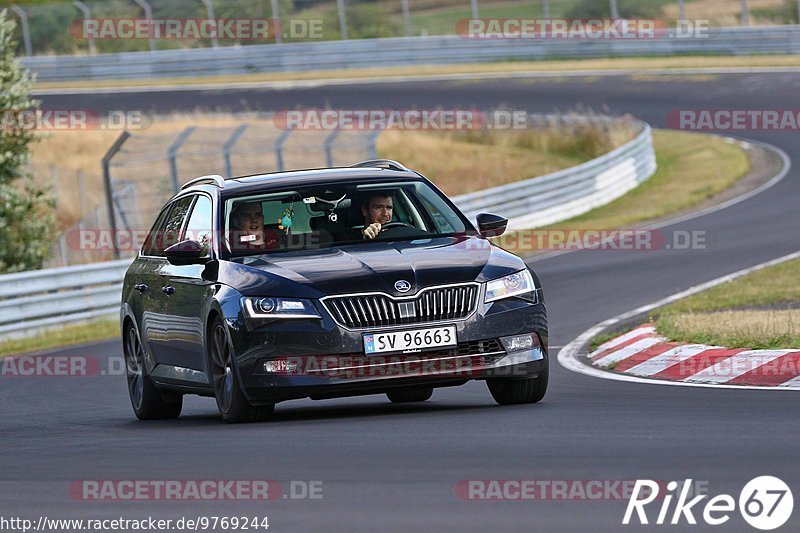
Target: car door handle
168, 289
141, 287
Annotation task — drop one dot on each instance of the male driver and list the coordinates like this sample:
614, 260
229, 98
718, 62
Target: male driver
377, 211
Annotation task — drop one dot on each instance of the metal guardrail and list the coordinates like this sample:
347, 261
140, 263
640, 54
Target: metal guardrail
40, 299
570, 192
400, 51
31, 301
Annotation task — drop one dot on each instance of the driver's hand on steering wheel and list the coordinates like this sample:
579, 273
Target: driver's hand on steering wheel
371, 231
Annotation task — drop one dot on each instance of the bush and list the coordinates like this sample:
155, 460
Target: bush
594, 9
25, 213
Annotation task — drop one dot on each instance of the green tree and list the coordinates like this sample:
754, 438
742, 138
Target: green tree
26, 218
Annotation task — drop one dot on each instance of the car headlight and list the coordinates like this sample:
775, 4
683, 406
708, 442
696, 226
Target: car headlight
279, 308
515, 284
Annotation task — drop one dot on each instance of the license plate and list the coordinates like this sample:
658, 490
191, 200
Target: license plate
409, 340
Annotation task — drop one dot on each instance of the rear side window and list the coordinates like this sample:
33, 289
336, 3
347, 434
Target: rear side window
169, 231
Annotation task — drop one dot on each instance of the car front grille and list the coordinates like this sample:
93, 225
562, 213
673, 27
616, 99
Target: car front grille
379, 309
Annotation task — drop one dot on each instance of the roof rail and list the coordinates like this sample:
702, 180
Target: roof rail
380, 163
216, 179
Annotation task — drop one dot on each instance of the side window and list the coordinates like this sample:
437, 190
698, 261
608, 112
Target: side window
199, 226
439, 220
169, 232
152, 236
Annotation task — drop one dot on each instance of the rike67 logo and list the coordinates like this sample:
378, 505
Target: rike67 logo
765, 503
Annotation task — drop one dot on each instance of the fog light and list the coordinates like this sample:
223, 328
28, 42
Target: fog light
521, 342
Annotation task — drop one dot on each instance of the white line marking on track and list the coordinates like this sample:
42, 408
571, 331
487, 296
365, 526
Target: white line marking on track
568, 356
642, 330
667, 359
628, 351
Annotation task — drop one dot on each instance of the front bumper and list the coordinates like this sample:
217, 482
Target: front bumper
321, 359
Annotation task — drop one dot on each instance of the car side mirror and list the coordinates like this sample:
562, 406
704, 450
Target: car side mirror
187, 253
490, 225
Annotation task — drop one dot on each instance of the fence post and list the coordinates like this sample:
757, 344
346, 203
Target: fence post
372, 150
682, 8
148, 14
86, 15
279, 148
81, 192
277, 21
62, 245
54, 180
407, 17
342, 19
26, 32
614, 10
545, 9
475, 11
210, 17
745, 14
228, 146
329, 146
172, 154
107, 180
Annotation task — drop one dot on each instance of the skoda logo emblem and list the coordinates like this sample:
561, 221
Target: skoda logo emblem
402, 285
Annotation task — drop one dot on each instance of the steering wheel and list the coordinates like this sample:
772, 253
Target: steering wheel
396, 224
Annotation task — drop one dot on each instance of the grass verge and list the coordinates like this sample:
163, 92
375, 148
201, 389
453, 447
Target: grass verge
543, 66
94, 331
758, 311
692, 168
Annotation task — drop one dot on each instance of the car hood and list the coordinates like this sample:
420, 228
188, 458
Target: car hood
368, 267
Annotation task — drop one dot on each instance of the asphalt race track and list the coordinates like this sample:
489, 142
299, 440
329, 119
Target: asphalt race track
394, 468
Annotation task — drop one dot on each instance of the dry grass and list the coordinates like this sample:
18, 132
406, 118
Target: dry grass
756, 311
546, 66
736, 329
691, 169
70, 152
458, 161
774, 287
721, 12
461, 162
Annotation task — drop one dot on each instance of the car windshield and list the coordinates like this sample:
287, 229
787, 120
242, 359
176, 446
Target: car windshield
327, 215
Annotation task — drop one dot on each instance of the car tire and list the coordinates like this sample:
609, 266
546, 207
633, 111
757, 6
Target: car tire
233, 405
410, 395
507, 391
147, 401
